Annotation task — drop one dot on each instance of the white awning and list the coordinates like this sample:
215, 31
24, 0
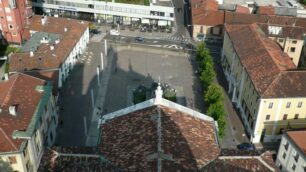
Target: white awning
145, 21
162, 23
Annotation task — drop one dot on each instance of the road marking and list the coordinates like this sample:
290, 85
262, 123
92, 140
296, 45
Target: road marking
155, 45
165, 46
173, 45
155, 41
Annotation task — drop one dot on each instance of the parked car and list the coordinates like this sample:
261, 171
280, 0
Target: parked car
114, 32
246, 146
139, 39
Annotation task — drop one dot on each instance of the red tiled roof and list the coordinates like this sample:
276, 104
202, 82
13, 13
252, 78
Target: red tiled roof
298, 137
128, 141
267, 10
210, 18
242, 9
266, 64
205, 5
74, 159
19, 90
44, 58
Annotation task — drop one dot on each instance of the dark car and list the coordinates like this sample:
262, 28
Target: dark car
139, 39
246, 146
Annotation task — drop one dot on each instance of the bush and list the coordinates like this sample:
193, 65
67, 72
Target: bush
139, 95
207, 76
213, 94
216, 110
169, 95
221, 126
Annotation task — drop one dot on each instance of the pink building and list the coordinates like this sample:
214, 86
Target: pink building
13, 19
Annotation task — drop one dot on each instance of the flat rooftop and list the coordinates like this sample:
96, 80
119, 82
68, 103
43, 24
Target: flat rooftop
274, 3
36, 40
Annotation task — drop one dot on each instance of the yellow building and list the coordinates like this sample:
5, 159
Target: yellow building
263, 83
28, 121
290, 38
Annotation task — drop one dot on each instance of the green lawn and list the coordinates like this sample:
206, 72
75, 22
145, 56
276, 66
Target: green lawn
139, 2
7, 49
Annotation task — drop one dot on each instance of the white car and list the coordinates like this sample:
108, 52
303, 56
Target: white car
114, 32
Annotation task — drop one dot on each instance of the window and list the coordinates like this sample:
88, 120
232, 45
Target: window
280, 166
296, 116
11, 26
293, 167
288, 104
25, 151
284, 155
285, 116
296, 157
294, 42
14, 33
286, 146
7, 9
292, 49
267, 117
270, 105
300, 104
281, 130
12, 159
280, 40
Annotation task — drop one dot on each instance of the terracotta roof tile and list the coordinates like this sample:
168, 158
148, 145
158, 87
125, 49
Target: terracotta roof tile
70, 159
242, 163
267, 10
264, 61
298, 137
210, 18
44, 57
127, 141
205, 4
242, 9
19, 90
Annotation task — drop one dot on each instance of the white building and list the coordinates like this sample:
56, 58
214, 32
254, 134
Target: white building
53, 50
292, 152
158, 12
28, 120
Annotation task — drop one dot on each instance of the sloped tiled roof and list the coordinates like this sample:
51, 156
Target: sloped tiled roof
210, 18
205, 4
242, 9
298, 137
131, 141
266, 64
44, 57
266, 10
19, 90
74, 159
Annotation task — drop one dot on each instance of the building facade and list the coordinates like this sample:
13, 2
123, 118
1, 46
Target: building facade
14, 16
28, 121
261, 78
291, 155
112, 12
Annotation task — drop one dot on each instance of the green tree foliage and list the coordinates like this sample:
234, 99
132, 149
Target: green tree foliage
216, 110
221, 126
207, 76
213, 94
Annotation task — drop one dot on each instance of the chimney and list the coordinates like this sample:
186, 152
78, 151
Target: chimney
65, 29
57, 41
12, 110
6, 77
51, 47
31, 53
43, 20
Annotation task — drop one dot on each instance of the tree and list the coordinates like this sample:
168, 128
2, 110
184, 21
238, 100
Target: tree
206, 60
213, 94
202, 51
216, 110
221, 126
207, 76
